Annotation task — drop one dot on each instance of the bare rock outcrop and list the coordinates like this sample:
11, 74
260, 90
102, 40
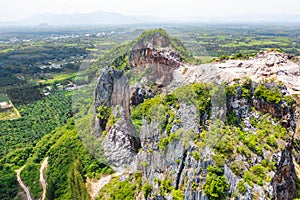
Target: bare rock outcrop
105, 86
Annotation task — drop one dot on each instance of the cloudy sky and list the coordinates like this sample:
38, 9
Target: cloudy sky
12, 10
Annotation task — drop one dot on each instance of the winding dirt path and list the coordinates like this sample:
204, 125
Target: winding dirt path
96, 186
18, 171
42, 178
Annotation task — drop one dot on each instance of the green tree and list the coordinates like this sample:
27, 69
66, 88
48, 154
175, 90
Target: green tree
177, 194
8, 183
76, 182
147, 188
215, 186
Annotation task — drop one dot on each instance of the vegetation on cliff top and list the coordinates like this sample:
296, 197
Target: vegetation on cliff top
121, 53
149, 35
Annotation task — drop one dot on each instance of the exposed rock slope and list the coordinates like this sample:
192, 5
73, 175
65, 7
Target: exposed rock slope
266, 64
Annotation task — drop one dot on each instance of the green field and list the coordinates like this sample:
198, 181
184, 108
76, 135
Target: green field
218, 40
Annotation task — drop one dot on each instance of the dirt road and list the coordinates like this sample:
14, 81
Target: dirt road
96, 186
22, 184
42, 177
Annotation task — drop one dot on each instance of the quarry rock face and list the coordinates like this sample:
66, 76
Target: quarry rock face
113, 89
266, 64
162, 63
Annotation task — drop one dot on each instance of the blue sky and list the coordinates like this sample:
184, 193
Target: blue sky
12, 10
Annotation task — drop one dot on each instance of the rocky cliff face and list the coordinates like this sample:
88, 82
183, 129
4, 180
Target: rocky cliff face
121, 142
199, 141
284, 180
186, 164
174, 161
105, 86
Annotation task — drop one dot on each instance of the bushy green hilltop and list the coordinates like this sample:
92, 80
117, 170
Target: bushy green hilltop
133, 136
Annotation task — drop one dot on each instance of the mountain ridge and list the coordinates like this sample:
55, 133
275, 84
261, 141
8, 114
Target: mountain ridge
114, 18
93, 18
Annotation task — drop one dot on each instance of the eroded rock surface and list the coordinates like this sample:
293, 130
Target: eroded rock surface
121, 142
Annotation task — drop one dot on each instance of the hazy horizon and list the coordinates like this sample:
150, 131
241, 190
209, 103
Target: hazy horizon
172, 10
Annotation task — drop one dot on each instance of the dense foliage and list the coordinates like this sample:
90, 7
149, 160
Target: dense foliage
69, 164
19, 95
8, 183
30, 175
271, 94
215, 186
19, 136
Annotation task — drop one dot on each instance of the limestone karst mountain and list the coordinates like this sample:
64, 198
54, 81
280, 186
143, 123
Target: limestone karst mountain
214, 131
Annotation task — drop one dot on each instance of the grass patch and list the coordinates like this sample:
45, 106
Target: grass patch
8, 114
126, 190
58, 78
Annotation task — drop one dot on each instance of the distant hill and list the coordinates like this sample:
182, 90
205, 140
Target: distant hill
261, 18
95, 18
111, 18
